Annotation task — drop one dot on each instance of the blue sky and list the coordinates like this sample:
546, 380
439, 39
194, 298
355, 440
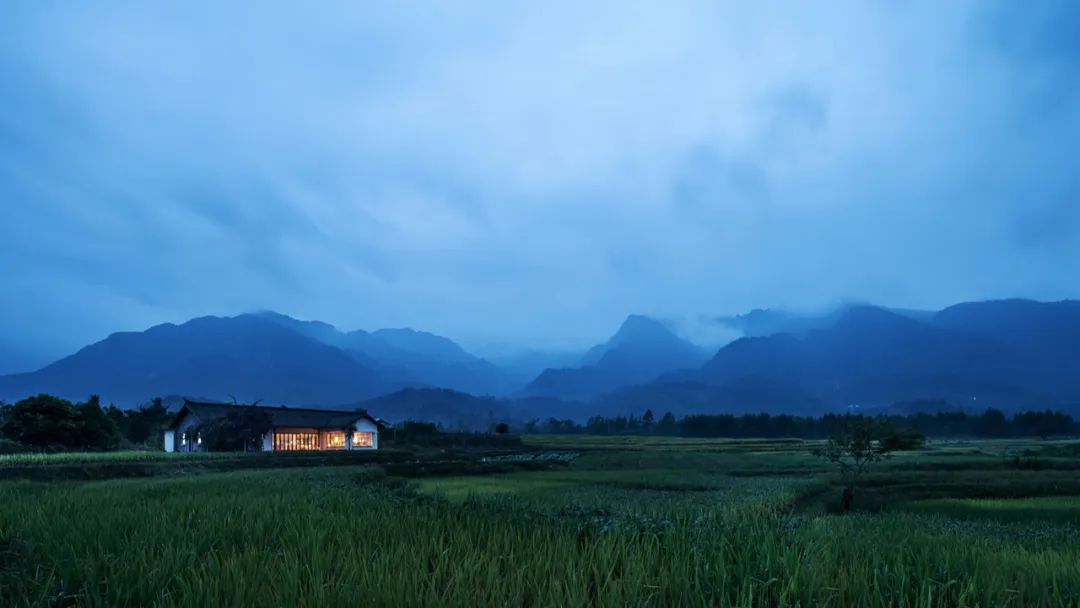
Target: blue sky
527, 173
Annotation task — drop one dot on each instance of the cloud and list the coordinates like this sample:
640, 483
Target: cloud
528, 173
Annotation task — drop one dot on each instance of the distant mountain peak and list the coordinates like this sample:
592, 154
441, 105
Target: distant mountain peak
642, 335
422, 343
640, 327
867, 315
246, 355
642, 349
318, 330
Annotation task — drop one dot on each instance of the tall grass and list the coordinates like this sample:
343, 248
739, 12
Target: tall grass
108, 465
343, 537
93, 457
1062, 509
658, 442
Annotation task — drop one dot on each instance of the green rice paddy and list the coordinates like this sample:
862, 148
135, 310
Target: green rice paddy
628, 522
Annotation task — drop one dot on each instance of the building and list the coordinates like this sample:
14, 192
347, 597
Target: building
293, 428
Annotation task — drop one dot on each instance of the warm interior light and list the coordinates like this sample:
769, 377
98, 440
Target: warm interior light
296, 441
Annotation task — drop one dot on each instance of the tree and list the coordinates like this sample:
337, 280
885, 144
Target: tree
5, 412
94, 429
992, 423
857, 443
42, 421
667, 424
555, 426
145, 424
45, 421
119, 419
647, 420
242, 429
502, 428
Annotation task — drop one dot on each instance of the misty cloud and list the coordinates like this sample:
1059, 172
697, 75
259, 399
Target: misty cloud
527, 173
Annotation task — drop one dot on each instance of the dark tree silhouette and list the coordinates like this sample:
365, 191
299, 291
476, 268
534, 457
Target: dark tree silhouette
45, 421
858, 443
242, 429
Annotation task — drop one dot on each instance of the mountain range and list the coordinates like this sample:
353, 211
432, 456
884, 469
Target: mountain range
1007, 353
246, 357
406, 357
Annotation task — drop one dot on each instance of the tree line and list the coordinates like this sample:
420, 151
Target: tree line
991, 423
48, 423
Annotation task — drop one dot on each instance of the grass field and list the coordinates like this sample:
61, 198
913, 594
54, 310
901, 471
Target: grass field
1053, 509
630, 521
91, 457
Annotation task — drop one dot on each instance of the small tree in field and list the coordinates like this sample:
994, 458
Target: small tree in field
502, 428
860, 442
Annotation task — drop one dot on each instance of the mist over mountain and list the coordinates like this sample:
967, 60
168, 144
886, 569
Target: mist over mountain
1044, 337
1009, 354
448, 408
531, 176
267, 356
871, 354
767, 322
246, 357
407, 357
639, 351
521, 366
771, 321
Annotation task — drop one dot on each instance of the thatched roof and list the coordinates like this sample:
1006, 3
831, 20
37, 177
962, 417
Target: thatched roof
282, 416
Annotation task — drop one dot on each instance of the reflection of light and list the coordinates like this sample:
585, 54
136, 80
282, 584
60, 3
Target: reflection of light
198, 440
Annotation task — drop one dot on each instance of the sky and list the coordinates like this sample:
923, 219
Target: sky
512, 173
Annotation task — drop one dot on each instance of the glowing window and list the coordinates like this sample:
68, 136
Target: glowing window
363, 439
335, 440
296, 441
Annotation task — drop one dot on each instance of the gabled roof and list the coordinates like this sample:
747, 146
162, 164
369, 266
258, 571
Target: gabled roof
282, 416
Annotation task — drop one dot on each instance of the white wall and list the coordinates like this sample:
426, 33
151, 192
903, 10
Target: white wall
367, 426
185, 426
172, 436
268, 441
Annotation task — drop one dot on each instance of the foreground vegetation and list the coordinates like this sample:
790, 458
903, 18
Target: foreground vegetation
628, 522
